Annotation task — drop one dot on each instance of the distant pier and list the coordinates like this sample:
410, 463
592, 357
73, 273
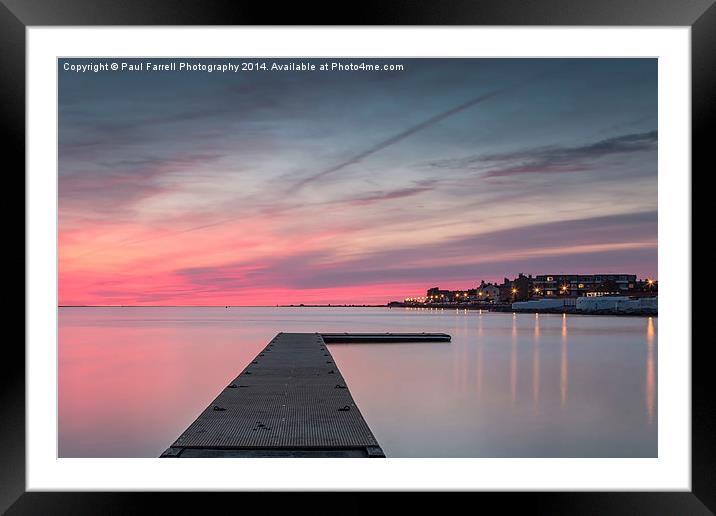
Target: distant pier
290, 401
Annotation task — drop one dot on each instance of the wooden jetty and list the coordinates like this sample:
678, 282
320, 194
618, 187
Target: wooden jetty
290, 401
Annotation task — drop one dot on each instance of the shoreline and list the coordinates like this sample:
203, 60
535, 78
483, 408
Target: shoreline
560, 310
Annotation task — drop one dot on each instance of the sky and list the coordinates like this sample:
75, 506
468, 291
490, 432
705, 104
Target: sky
280, 187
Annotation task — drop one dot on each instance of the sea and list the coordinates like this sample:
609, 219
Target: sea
132, 379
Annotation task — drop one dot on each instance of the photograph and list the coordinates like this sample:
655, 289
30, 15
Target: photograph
351, 257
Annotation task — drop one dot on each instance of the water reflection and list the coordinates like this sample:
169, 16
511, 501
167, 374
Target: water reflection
536, 364
513, 360
650, 371
132, 379
480, 353
564, 364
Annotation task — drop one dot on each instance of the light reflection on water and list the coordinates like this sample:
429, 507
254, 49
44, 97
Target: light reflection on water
650, 370
508, 385
564, 364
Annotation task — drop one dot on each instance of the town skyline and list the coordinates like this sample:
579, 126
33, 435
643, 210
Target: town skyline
256, 189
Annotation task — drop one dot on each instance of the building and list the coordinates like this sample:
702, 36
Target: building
522, 287
506, 290
487, 292
460, 296
435, 295
517, 289
578, 285
544, 286
646, 288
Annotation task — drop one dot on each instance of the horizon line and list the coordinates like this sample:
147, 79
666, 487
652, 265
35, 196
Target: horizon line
219, 306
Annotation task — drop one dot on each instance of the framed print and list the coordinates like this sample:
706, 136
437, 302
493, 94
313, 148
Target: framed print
433, 238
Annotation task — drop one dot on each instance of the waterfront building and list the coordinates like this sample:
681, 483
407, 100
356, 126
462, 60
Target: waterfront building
544, 286
522, 287
488, 291
459, 296
577, 285
646, 288
435, 295
506, 293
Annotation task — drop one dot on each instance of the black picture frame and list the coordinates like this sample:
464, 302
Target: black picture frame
17, 15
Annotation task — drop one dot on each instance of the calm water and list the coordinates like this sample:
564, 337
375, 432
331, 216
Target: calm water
132, 379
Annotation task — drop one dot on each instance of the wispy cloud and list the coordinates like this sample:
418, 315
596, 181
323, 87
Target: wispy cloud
390, 195
112, 187
554, 159
414, 129
541, 245
398, 138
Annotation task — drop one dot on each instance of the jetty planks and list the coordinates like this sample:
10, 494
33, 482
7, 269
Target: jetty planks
290, 401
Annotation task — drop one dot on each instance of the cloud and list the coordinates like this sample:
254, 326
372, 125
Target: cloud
435, 119
112, 186
379, 196
555, 159
398, 137
410, 131
602, 242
